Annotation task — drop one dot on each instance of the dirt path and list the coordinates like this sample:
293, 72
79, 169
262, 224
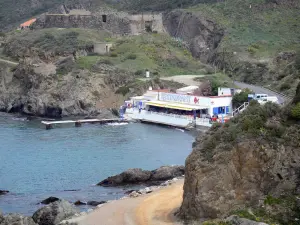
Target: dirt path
185, 79
156, 208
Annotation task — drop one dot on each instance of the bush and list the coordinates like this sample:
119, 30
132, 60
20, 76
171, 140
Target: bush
295, 112
285, 86
240, 98
123, 90
113, 54
131, 56
106, 61
139, 72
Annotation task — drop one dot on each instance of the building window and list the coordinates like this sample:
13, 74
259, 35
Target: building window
104, 17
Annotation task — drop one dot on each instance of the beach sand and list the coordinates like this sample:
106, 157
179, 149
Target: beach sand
156, 208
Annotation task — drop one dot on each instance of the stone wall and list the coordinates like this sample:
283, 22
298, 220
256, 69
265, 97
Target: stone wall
111, 23
114, 22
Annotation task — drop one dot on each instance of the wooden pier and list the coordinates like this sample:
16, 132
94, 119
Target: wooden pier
78, 123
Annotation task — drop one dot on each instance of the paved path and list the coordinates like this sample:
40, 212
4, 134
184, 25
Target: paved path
9, 62
156, 208
261, 90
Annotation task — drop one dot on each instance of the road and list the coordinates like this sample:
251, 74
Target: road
260, 90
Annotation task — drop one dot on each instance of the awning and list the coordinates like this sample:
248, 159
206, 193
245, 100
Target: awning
175, 105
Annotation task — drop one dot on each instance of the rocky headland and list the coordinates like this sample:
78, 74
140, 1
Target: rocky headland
248, 167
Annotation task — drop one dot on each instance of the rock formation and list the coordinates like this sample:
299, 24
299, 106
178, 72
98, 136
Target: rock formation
202, 36
16, 219
3, 192
54, 213
240, 164
49, 200
136, 176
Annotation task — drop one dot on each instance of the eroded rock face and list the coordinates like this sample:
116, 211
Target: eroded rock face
16, 219
136, 176
202, 36
54, 213
238, 177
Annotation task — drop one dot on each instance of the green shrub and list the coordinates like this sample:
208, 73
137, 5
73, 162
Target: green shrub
295, 112
106, 61
113, 54
2, 34
272, 201
240, 98
131, 56
139, 72
285, 86
123, 90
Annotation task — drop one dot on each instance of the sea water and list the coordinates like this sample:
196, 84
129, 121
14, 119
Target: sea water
67, 161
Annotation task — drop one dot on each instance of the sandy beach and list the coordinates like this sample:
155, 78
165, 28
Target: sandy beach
156, 208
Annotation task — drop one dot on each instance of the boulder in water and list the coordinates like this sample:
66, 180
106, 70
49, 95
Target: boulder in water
137, 176
3, 192
49, 200
54, 213
16, 219
79, 203
131, 176
95, 203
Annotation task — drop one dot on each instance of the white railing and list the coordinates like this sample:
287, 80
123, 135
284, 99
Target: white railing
240, 109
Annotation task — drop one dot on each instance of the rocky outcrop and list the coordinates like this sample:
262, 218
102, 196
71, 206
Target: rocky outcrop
16, 219
3, 192
201, 35
49, 200
54, 213
240, 164
32, 91
136, 176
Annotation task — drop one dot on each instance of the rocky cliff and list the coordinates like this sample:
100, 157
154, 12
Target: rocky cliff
251, 163
201, 35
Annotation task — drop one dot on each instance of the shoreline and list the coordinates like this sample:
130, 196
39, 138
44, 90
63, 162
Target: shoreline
157, 207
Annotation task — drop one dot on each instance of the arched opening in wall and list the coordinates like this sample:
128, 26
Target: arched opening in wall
104, 18
148, 26
106, 49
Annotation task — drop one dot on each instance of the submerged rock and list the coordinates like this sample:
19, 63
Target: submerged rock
49, 200
137, 176
95, 203
54, 213
3, 192
16, 219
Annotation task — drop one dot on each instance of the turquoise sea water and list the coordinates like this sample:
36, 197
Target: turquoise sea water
67, 162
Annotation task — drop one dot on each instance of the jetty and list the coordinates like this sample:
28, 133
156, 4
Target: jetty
78, 123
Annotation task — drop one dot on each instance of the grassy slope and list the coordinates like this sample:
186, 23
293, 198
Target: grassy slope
158, 53
261, 30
